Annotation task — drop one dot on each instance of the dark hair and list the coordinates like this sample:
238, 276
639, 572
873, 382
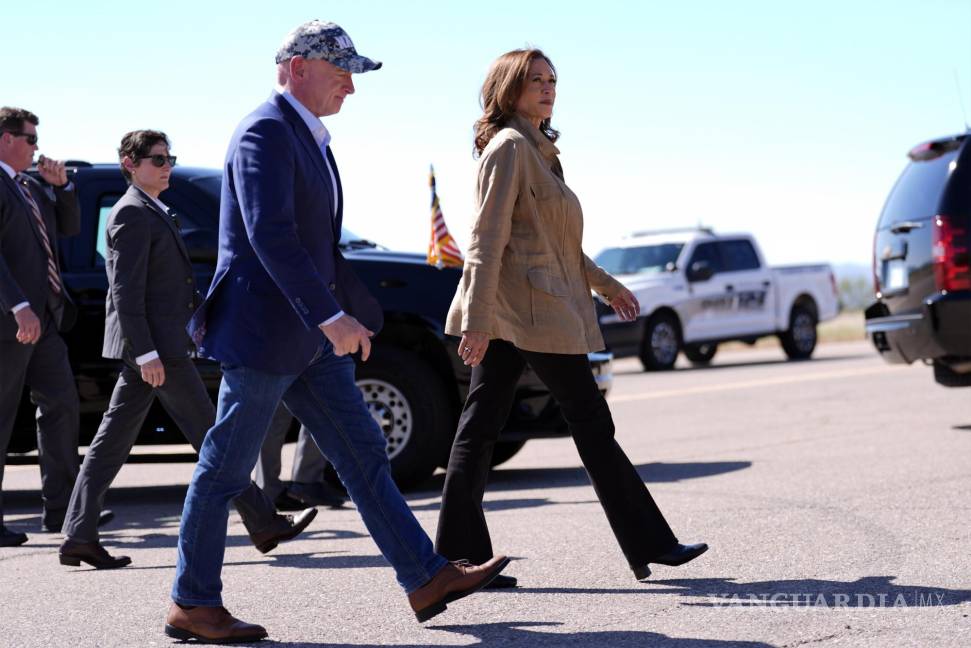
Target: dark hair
501, 90
12, 119
137, 144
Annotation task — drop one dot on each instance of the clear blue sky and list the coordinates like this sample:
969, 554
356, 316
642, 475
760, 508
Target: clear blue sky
789, 120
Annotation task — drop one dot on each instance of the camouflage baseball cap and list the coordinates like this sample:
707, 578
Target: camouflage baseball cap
326, 41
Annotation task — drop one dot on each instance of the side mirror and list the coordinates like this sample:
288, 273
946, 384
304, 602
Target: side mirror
203, 245
700, 271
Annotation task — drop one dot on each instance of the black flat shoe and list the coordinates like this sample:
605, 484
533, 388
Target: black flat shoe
317, 494
10, 538
679, 555
502, 582
106, 516
284, 502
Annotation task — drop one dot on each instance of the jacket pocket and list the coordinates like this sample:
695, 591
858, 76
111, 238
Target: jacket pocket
543, 191
541, 279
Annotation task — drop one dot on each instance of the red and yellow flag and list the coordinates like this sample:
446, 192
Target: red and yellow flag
442, 249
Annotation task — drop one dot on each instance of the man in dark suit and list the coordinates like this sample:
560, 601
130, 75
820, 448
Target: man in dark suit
308, 485
33, 305
151, 297
283, 314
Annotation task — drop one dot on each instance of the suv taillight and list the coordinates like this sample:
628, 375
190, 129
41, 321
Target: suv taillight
952, 265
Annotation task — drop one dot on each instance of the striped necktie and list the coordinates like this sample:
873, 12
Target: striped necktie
53, 278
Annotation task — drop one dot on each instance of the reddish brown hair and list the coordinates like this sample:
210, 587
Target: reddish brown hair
501, 90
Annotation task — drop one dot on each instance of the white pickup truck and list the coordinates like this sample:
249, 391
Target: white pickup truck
697, 289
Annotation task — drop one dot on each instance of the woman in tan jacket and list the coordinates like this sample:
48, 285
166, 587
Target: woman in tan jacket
525, 297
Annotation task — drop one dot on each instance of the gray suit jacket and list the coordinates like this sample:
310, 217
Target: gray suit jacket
23, 259
151, 291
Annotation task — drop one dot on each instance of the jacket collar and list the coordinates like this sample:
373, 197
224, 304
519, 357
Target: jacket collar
138, 194
533, 134
302, 131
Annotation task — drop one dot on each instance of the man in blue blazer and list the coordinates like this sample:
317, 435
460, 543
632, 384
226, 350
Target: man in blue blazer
283, 314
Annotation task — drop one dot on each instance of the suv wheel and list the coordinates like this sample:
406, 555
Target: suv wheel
409, 403
700, 354
662, 341
799, 340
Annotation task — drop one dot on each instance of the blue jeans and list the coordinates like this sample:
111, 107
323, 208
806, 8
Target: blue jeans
325, 399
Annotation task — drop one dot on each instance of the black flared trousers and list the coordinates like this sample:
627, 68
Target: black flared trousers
637, 523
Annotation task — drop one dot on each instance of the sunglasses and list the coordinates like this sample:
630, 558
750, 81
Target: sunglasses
30, 137
159, 160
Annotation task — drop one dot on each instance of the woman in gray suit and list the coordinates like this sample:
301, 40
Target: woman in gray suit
525, 297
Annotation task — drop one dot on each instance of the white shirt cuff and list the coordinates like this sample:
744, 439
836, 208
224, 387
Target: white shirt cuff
333, 319
146, 357
20, 307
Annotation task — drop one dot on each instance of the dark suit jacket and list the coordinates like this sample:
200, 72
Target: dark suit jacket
151, 292
279, 273
23, 259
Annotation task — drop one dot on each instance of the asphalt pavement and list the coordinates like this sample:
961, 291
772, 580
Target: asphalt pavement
834, 494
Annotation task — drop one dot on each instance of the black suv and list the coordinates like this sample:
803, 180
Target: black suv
921, 266
414, 382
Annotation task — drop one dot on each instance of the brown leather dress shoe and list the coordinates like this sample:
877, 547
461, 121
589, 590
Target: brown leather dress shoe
283, 528
74, 553
452, 582
210, 625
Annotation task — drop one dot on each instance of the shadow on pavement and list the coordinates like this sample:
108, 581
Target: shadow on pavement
315, 560
506, 504
139, 458
502, 479
121, 495
527, 633
525, 478
781, 360
866, 592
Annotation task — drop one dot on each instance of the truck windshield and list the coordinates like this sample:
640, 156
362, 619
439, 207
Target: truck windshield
647, 259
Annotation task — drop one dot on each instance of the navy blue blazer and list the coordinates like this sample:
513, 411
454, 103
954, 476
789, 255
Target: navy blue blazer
279, 272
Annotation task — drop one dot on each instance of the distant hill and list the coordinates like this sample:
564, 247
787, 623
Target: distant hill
855, 283
853, 271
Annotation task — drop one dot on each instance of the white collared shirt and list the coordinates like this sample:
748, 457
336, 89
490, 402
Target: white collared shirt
322, 137
161, 205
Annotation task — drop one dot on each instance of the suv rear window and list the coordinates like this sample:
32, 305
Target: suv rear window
918, 191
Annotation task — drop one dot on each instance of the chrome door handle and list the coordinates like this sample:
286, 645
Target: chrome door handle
906, 226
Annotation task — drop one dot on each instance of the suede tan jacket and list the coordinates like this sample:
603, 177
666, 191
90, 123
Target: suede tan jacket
526, 279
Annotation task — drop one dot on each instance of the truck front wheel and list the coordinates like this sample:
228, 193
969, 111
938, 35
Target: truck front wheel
662, 341
409, 403
799, 340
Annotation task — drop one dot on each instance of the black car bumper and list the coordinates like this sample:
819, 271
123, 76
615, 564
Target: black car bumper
941, 328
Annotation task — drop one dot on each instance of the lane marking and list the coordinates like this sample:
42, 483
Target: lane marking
765, 382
